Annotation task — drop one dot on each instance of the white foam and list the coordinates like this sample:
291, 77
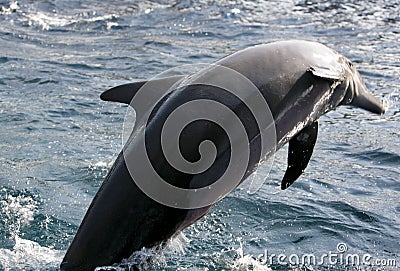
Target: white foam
13, 7
49, 21
155, 256
25, 254
389, 101
178, 244
19, 210
28, 254
102, 164
246, 262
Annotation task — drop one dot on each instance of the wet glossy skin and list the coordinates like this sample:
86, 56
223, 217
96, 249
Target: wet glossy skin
122, 219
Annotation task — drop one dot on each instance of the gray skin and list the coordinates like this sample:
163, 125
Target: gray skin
300, 81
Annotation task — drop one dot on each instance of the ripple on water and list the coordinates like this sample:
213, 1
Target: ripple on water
379, 156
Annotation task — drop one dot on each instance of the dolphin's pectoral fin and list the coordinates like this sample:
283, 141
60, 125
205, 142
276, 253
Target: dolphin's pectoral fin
333, 73
125, 93
300, 150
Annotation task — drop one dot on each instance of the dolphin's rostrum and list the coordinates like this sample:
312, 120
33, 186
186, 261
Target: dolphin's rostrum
298, 81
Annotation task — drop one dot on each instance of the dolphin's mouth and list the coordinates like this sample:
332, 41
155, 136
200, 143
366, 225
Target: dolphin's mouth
367, 101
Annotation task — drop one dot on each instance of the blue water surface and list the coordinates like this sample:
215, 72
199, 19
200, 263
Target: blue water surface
58, 140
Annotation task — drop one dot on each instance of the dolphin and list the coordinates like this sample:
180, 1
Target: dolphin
298, 80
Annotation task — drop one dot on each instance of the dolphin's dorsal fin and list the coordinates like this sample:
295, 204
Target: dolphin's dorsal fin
300, 150
125, 93
332, 73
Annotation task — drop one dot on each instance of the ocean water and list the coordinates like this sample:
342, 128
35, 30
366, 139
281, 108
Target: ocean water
58, 140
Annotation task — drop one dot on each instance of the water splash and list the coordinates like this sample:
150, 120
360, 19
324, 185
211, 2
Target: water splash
18, 211
391, 100
27, 254
247, 262
12, 8
151, 257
